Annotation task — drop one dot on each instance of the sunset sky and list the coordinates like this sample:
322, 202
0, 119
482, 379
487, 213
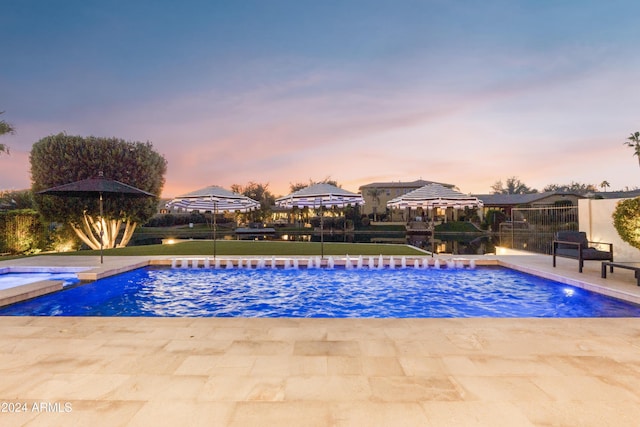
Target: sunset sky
280, 92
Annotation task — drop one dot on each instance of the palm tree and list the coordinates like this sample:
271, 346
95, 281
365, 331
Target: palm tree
375, 193
604, 185
5, 128
634, 141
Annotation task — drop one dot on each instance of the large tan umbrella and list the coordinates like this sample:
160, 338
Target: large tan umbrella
213, 199
433, 196
319, 196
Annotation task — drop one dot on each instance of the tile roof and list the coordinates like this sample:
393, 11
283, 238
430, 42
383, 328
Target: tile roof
519, 199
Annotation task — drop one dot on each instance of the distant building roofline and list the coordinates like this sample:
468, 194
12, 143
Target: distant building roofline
521, 199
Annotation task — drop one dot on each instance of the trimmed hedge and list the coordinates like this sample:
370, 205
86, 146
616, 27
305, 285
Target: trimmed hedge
21, 232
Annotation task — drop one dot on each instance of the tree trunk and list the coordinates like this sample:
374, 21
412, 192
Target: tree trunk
89, 232
128, 232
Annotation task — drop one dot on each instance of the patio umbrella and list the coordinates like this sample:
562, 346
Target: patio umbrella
320, 196
214, 199
434, 196
99, 187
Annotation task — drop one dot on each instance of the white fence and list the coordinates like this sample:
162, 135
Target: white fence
533, 229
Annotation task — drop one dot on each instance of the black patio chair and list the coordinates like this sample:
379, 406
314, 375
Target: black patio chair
574, 244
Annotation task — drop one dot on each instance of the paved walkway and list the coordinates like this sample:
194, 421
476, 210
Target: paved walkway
325, 372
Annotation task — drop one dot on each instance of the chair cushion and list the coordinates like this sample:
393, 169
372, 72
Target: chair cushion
572, 236
594, 254
571, 252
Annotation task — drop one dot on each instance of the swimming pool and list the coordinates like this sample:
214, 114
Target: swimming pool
338, 293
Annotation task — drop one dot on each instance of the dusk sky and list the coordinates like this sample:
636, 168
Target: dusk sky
280, 92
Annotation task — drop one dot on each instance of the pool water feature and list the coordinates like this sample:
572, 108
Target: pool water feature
322, 292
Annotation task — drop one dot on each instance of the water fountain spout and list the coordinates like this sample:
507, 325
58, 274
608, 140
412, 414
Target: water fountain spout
347, 263
392, 263
380, 262
403, 262
436, 263
359, 264
330, 262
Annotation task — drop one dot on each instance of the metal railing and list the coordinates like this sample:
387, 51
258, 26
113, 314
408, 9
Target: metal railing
533, 229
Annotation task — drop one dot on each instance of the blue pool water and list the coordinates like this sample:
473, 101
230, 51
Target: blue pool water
338, 293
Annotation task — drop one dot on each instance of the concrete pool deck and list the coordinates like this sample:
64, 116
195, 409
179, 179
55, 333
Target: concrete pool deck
342, 372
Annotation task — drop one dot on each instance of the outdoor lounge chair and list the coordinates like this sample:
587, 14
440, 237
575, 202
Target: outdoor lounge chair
574, 244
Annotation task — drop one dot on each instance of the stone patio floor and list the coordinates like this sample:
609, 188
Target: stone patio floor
325, 372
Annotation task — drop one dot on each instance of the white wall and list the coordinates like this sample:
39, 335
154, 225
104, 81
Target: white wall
595, 218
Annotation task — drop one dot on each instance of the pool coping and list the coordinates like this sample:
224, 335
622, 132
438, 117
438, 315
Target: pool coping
28, 291
537, 265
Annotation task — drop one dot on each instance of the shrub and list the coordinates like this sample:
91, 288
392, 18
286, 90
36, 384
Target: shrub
626, 220
61, 238
493, 219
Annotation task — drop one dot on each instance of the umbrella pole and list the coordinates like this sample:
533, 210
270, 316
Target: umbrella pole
321, 235
433, 231
101, 231
215, 211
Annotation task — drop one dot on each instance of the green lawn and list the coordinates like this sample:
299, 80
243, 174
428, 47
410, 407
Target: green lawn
250, 247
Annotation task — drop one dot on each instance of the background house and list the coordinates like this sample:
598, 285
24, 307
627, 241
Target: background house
377, 194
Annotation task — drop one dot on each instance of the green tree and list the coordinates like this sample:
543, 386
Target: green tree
604, 185
634, 142
260, 193
4, 129
16, 199
573, 187
61, 159
513, 186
